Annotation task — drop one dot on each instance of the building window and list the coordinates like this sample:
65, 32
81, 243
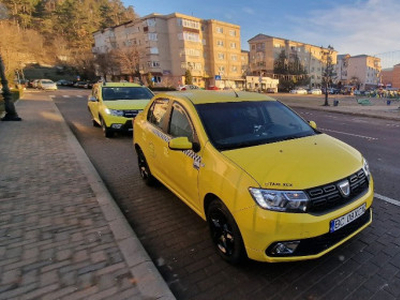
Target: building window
234, 69
152, 36
192, 52
220, 43
232, 32
188, 23
233, 45
221, 56
153, 64
220, 30
154, 50
221, 69
253, 47
191, 36
234, 57
151, 22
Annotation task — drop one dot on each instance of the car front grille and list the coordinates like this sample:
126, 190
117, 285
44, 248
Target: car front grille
327, 197
130, 113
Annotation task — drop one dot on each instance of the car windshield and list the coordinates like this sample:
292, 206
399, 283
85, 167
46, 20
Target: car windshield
233, 125
126, 93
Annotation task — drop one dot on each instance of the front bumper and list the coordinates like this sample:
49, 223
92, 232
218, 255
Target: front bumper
262, 230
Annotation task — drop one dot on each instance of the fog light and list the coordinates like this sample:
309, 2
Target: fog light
116, 126
285, 248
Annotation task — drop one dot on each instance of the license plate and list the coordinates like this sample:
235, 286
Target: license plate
347, 218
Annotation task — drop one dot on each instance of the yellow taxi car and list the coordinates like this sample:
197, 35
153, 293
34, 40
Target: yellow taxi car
269, 184
113, 105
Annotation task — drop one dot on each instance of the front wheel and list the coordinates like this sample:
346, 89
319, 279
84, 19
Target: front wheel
108, 133
225, 233
144, 169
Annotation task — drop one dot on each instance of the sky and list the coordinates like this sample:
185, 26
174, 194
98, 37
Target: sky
351, 26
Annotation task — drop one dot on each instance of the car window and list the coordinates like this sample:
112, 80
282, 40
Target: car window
126, 93
179, 125
234, 125
157, 112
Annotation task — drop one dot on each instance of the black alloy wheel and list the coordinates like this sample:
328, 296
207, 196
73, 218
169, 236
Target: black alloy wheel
225, 233
144, 169
108, 133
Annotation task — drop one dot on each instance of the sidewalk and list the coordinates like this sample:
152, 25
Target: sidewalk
61, 234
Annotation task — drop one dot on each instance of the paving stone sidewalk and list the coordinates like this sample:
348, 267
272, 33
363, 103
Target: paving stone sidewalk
61, 234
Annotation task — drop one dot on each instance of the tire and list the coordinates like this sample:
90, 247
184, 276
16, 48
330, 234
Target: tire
108, 133
144, 169
225, 233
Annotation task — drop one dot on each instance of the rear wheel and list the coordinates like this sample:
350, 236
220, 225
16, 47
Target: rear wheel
225, 233
108, 133
144, 169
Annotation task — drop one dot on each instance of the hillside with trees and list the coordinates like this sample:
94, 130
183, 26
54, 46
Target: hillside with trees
55, 32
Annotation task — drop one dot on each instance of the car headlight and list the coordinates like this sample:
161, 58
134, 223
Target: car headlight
366, 169
114, 112
284, 201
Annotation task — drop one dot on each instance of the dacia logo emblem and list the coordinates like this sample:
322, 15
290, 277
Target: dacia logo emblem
344, 188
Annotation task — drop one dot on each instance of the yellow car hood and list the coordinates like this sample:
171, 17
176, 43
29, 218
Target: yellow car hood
126, 104
298, 164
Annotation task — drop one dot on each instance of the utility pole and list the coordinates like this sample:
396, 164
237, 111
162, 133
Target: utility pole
11, 113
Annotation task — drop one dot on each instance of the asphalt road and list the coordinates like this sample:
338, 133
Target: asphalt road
366, 267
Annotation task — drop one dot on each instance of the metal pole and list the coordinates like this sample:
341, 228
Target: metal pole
11, 113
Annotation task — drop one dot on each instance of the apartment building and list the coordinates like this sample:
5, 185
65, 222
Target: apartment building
265, 49
361, 71
396, 76
168, 45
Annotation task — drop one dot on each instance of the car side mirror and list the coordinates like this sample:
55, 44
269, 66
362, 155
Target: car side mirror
313, 124
180, 143
92, 99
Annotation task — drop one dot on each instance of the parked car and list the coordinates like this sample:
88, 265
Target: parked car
46, 84
188, 87
270, 185
299, 91
81, 84
33, 83
113, 105
64, 82
213, 88
315, 92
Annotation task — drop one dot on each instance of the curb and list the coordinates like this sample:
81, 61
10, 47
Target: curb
149, 281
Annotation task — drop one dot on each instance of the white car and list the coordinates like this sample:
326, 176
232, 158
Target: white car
299, 91
188, 87
47, 84
315, 92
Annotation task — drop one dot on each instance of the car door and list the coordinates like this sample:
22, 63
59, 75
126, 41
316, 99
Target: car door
182, 166
94, 105
155, 137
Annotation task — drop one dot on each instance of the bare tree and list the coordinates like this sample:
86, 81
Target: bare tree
128, 60
328, 73
105, 64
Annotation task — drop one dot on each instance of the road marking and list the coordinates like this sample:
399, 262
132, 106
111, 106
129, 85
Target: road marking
387, 199
65, 96
351, 134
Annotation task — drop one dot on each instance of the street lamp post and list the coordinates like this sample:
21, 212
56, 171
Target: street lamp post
11, 113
